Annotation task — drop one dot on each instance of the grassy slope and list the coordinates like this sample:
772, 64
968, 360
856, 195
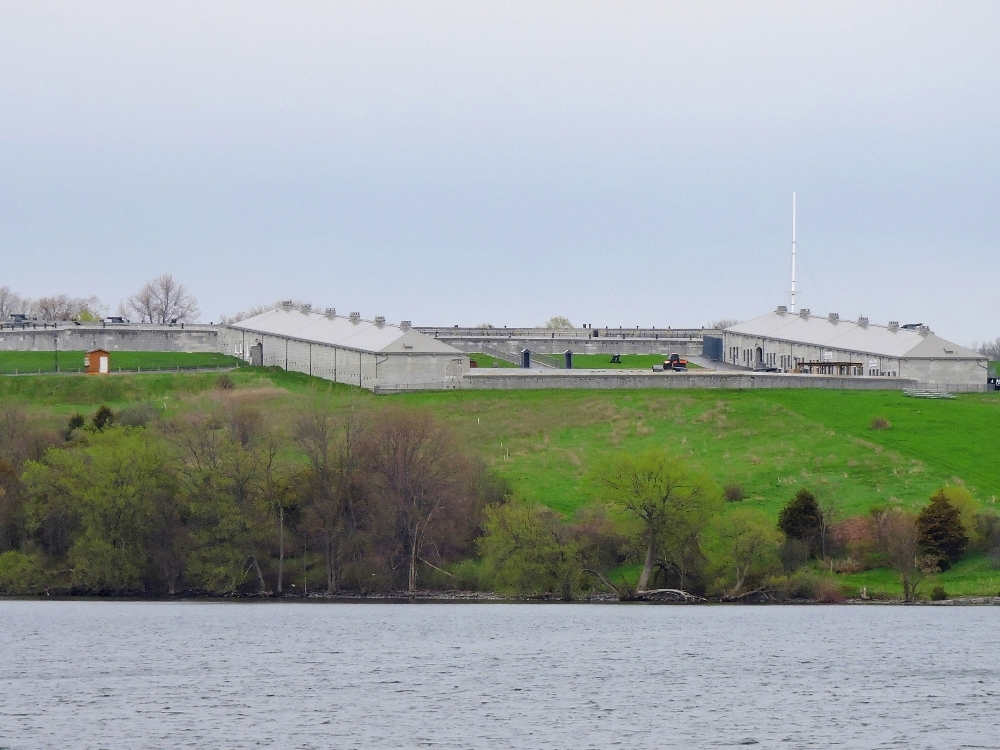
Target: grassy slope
748, 437
771, 442
73, 360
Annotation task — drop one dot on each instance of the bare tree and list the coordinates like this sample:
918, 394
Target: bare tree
142, 304
64, 307
162, 300
11, 302
244, 314
558, 321
335, 482
423, 482
724, 323
989, 349
898, 539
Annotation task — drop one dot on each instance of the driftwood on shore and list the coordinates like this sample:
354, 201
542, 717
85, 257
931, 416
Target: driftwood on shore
675, 593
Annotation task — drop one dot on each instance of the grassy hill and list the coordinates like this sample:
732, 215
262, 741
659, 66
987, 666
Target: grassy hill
770, 442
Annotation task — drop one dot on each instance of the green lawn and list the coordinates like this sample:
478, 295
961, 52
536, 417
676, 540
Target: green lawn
485, 360
976, 575
72, 361
770, 442
629, 362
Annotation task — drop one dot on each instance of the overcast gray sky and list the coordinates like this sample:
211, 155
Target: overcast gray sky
617, 163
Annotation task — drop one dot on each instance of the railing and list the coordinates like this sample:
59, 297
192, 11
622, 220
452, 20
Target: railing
502, 355
547, 360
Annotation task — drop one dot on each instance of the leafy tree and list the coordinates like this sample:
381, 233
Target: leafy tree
20, 575
104, 498
558, 322
941, 533
103, 418
528, 551
668, 501
742, 549
228, 522
802, 519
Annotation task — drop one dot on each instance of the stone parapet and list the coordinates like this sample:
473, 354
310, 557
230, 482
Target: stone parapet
507, 379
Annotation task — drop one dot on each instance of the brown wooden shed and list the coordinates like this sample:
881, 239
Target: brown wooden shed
97, 362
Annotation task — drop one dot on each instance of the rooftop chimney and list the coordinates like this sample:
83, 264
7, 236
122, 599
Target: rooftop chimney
330, 312
380, 320
286, 304
804, 312
306, 307
923, 330
405, 325
833, 317
893, 325
781, 310
355, 317
863, 321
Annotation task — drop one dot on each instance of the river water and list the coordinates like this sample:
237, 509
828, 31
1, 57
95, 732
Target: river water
91, 674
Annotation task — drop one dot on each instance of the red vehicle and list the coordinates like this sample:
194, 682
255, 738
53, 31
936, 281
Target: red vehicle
675, 363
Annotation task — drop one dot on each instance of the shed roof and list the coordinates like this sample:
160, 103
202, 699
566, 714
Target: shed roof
359, 335
852, 336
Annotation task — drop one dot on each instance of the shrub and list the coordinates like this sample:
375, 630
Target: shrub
941, 533
224, 382
987, 532
802, 519
733, 492
137, 415
76, 421
800, 585
853, 537
102, 418
881, 423
938, 594
828, 591
20, 575
794, 554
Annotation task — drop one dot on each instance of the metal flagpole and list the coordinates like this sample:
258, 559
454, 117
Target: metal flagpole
793, 252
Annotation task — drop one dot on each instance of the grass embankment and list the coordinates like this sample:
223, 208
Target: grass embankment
72, 361
771, 442
629, 362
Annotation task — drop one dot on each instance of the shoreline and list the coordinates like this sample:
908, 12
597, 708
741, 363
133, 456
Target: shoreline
481, 597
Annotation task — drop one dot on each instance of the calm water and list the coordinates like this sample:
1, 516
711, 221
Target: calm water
234, 675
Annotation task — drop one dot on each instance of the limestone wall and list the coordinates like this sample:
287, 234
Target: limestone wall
686, 347
126, 338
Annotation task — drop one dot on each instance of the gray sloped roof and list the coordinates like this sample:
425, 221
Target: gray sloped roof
362, 335
850, 336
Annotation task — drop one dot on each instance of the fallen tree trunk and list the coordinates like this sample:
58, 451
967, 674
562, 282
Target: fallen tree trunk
685, 595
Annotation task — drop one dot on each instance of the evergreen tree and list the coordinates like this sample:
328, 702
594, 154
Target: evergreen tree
802, 519
942, 534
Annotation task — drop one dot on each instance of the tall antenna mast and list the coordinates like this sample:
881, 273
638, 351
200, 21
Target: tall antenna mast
793, 252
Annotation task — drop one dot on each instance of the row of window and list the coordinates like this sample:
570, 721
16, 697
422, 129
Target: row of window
785, 362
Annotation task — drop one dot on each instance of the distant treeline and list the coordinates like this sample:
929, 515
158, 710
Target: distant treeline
230, 500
